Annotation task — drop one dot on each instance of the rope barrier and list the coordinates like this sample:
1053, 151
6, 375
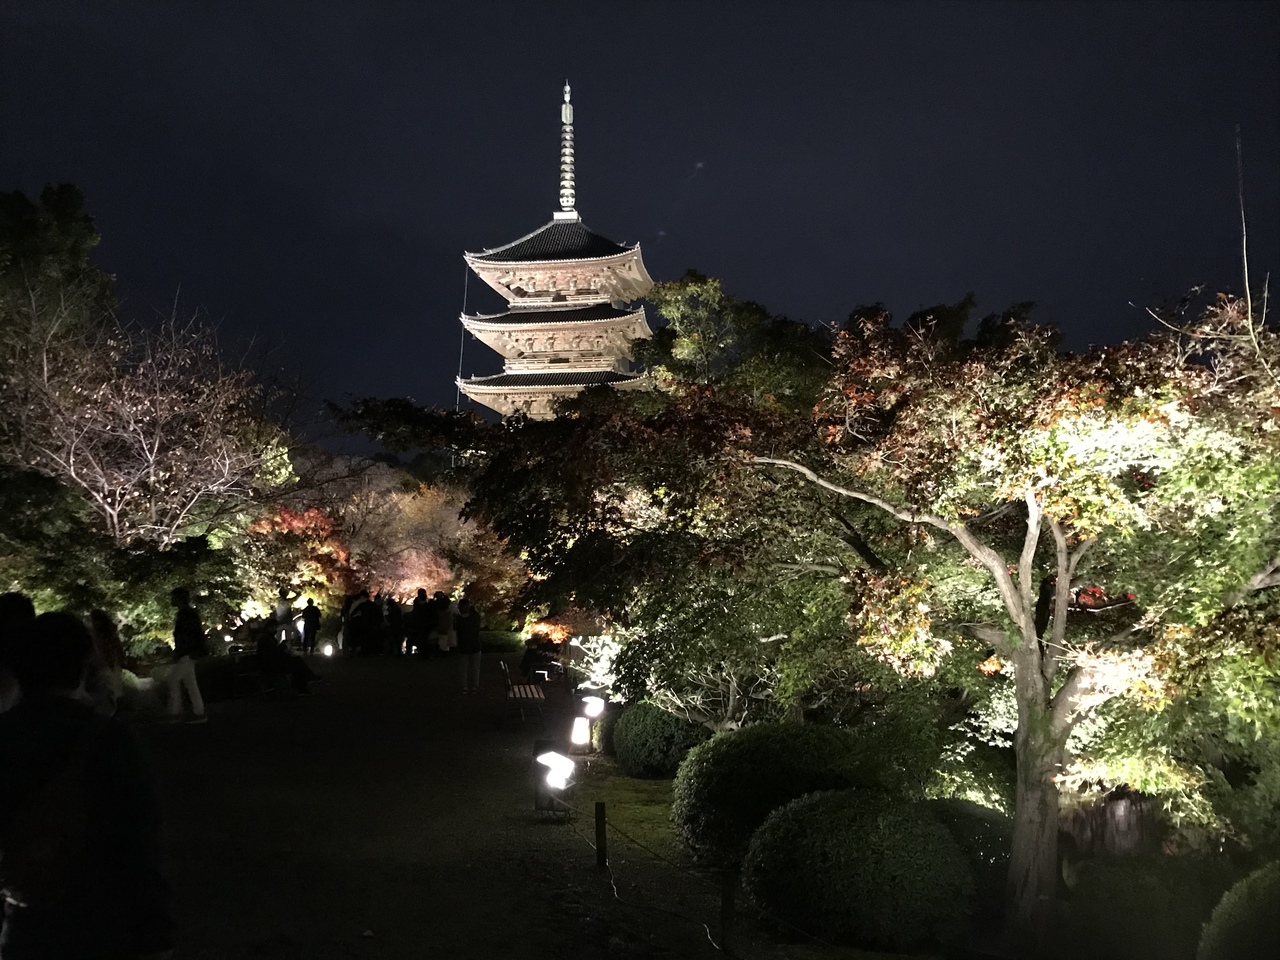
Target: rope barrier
613, 882
680, 868
613, 877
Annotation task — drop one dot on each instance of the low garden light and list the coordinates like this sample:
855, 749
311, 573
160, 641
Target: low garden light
552, 778
593, 706
581, 735
559, 769
327, 650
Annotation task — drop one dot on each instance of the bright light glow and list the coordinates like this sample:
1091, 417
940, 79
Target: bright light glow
328, 650
227, 637
581, 731
593, 706
559, 769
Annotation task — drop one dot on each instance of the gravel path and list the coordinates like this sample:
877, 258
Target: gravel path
384, 817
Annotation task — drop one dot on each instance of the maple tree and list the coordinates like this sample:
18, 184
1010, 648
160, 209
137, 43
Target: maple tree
1148, 468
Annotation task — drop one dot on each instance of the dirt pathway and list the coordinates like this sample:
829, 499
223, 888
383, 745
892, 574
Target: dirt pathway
387, 802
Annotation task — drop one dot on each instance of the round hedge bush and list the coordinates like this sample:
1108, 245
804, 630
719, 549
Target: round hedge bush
860, 866
985, 836
649, 742
1245, 925
1147, 907
728, 785
602, 730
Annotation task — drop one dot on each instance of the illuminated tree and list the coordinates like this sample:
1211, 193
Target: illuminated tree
150, 424
1149, 468
161, 437
1057, 546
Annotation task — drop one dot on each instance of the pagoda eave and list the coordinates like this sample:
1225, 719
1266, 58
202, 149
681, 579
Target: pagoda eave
536, 401
620, 277
583, 339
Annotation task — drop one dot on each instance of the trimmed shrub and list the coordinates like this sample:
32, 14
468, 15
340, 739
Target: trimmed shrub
1245, 925
861, 866
985, 836
728, 785
1142, 907
602, 731
650, 742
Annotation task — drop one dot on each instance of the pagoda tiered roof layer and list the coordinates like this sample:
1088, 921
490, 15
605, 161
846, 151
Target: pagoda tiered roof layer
588, 314
557, 241
569, 378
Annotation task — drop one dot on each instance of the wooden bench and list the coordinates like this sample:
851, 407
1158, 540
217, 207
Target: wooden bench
246, 673
523, 694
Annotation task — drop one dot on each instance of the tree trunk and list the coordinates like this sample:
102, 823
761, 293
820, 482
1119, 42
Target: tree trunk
1033, 861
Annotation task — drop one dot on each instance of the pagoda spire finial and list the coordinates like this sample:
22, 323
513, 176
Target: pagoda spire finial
567, 194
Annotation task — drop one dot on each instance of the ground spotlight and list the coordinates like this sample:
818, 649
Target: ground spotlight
593, 706
559, 769
327, 650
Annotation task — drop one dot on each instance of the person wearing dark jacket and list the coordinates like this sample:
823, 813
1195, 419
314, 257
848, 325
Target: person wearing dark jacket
104, 895
276, 661
310, 626
466, 625
421, 619
188, 647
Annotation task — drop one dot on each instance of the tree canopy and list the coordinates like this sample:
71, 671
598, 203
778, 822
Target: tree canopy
946, 520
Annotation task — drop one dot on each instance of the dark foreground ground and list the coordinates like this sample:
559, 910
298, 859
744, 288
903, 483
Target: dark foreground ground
386, 816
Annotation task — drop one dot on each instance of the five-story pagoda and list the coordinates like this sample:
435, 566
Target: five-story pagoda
568, 325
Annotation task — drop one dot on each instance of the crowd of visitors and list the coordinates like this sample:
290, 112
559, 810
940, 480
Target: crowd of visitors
80, 816
80, 820
434, 626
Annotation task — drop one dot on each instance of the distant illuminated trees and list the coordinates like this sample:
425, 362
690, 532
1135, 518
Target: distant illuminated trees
161, 436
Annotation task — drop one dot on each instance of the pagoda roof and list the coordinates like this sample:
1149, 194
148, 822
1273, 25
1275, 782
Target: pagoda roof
592, 313
568, 378
556, 241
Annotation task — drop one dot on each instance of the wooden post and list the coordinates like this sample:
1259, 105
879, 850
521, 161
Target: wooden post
602, 837
728, 890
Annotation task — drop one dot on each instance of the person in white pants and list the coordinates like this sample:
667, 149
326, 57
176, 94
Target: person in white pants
188, 646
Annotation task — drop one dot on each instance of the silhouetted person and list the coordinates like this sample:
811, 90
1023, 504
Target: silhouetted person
421, 619
105, 680
275, 660
310, 626
189, 645
364, 626
442, 634
466, 626
79, 816
16, 612
394, 626
286, 630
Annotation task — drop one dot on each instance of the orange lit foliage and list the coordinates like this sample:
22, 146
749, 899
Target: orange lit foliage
300, 550
569, 622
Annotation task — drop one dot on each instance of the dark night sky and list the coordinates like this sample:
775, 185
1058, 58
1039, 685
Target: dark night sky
310, 173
